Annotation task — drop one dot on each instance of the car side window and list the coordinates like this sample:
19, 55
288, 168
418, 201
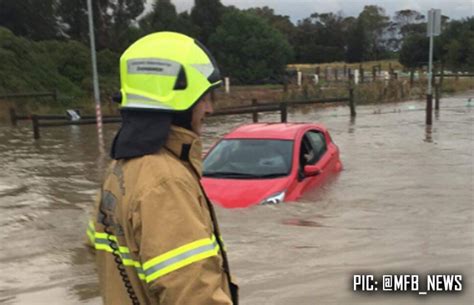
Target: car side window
318, 143
306, 152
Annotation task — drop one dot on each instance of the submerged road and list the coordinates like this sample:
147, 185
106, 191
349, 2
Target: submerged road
403, 204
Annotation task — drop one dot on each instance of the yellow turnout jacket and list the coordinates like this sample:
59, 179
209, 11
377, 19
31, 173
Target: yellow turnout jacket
158, 224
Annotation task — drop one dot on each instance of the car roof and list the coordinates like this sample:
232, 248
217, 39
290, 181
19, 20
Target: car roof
283, 131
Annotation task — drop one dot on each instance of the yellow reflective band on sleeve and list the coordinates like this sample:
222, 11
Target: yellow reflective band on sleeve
160, 265
91, 232
102, 242
180, 257
105, 236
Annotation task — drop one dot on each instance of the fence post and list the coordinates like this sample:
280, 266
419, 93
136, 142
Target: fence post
435, 87
316, 79
352, 102
13, 116
345, 70
255, 113
429, 109
437, 96
227, 85
356, 76
361, 71
440, 86
36, 132
299, 79
326, 71
284, 112
441, 79
335, 74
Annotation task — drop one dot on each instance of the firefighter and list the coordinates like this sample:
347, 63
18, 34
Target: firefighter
155, 231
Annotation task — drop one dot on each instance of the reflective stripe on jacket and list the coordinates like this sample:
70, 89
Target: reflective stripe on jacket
159, 226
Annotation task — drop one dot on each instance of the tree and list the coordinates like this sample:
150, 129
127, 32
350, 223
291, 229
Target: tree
405, 18
405, 22
206, 14
320, 38
375, 23
357, 43
279, 22
124, 13
470, 56
163, 17
456, 44
248, 49
112, 20
414, 51
303, 41
29, 18
186, 26
73, 16
454, 55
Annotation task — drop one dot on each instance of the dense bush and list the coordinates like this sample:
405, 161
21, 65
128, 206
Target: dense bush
28, 66
248, 49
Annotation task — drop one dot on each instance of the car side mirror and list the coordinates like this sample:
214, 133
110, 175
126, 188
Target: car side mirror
312, 170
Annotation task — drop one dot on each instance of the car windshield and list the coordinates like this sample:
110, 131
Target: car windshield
249, 159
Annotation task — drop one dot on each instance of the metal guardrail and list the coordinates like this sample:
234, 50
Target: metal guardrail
454, 75
254, 109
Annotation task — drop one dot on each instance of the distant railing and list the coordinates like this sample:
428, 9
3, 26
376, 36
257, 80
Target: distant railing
254, 109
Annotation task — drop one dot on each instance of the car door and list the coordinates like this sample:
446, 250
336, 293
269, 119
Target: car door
313, 151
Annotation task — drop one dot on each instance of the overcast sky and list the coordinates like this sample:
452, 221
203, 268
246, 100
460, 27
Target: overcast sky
299, 9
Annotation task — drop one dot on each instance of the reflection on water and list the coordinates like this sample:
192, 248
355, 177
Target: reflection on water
429, 133
402, 204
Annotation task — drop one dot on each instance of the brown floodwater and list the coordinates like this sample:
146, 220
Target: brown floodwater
402, 204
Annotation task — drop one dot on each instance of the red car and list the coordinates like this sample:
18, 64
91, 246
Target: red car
268, 163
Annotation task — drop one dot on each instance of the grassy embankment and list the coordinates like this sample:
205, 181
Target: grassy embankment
28, 66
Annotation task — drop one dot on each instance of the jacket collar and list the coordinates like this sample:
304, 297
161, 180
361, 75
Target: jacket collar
187, 146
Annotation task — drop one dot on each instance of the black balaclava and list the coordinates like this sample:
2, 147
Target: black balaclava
145, 132
184, 118
142, 133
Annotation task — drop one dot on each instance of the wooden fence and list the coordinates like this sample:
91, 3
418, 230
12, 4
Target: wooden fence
42, 121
